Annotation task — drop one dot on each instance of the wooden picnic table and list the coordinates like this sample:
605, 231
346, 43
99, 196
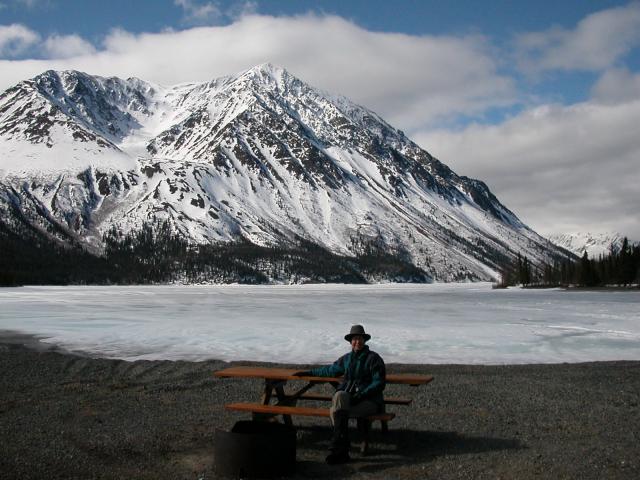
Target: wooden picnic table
282, 374
285, 403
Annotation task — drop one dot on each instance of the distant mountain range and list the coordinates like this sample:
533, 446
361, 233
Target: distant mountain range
258, 157
595, 244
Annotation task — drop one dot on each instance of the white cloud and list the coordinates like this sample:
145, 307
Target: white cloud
617, 86
19, 40
242, 9
16, 39
196, 13
31, 3
412, 81
66, 46
597, 42
561, 169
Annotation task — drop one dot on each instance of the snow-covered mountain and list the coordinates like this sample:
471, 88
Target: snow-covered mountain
259, 155
595, 244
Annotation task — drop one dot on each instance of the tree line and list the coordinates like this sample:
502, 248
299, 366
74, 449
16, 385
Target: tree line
619, 267
158, 254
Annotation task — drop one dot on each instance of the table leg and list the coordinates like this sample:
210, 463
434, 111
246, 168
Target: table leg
282, 397
268, 391
271, 386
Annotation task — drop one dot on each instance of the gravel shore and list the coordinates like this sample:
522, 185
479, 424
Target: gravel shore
69, 416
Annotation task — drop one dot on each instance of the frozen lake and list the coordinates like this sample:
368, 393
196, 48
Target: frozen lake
441, 323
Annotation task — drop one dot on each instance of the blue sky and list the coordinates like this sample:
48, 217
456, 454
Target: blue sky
499, 18
538, 99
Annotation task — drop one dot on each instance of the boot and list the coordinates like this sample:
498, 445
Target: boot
340, 441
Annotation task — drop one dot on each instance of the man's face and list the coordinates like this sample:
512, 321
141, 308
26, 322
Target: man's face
357, 343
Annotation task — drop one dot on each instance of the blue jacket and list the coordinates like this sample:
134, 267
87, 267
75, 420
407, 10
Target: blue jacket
365, 369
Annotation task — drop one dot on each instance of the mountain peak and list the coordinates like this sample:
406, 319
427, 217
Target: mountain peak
594, 243
268, 74
65, 76
259, 156
268, 69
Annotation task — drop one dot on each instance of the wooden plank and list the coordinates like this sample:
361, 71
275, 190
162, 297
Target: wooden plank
388, 400
257, 372
287, 374
408, 379
301, 411
278, 409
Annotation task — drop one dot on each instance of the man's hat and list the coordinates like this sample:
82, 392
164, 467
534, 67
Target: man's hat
357, 330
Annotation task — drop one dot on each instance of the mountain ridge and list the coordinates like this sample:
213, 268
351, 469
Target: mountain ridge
595, 244
259, 156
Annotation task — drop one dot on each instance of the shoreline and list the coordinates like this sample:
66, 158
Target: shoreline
34, 342
64, 415
28, 340
491, 283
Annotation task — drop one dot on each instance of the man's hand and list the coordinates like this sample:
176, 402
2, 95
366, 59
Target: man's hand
303, 373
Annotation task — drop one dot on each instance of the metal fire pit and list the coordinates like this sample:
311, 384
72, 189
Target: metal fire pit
255, 450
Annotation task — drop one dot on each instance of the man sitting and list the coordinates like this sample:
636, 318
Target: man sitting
359, 395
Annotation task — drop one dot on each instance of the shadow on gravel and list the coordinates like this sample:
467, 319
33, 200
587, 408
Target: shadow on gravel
434, 444
400, 447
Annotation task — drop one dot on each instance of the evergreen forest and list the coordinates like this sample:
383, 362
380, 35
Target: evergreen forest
157, 255
620, 267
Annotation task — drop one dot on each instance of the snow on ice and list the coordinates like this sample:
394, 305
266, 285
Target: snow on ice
438, 323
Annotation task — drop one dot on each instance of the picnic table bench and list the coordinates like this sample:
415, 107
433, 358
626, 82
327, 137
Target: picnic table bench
286, 403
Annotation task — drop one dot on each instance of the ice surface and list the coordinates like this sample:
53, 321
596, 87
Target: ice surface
438, 323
